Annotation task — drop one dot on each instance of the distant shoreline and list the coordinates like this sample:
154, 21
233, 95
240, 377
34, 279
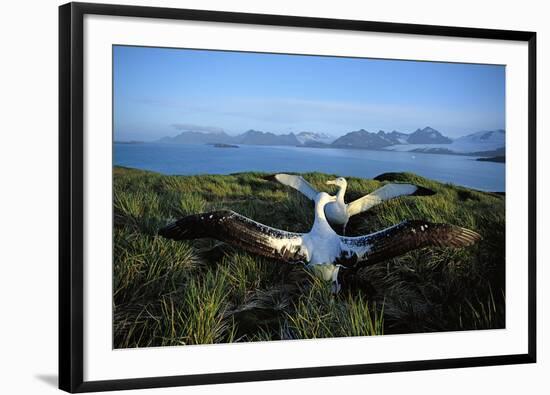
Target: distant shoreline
496, 159
130, 142
481, 154
223, 145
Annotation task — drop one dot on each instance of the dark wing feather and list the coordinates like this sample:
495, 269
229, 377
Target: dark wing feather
239, 231
405, 237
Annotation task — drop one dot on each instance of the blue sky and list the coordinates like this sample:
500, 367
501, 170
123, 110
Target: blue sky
159, 92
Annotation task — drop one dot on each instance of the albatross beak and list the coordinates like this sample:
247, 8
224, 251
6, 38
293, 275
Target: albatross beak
331, 182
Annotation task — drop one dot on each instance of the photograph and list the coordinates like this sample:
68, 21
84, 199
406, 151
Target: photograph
279, 196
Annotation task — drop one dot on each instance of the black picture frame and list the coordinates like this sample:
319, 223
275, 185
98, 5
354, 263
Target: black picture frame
71, 172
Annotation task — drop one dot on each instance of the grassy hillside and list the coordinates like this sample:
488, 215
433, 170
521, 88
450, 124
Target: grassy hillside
203, 291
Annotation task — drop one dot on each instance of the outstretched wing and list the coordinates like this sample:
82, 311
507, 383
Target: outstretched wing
402, 238
239, 231
298, 183
387, 192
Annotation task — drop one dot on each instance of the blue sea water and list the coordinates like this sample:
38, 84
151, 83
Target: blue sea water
187, 159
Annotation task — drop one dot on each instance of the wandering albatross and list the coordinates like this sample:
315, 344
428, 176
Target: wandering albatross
338, 212
320, 249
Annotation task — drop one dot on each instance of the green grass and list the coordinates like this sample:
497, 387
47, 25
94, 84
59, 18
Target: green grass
204, 291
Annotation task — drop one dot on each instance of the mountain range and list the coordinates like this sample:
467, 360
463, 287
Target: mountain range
370, 140
487, 142
250, 137
427, 140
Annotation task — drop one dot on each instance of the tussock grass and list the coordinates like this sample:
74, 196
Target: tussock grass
204, 291
318, 314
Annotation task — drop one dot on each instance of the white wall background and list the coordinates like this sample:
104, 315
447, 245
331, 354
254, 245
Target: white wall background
28, 197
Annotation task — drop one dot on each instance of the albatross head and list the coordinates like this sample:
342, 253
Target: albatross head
339, 182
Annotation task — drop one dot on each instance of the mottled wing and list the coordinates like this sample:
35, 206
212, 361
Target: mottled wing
239, 231
402, 238
387, 192
298, 183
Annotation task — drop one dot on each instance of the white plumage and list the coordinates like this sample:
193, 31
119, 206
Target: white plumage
320, 249
338, 212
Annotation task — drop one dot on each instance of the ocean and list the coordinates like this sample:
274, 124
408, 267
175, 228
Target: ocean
188, 159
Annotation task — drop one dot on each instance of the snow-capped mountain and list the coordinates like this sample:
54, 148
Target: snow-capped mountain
398, 137
363, 139
378, 140
427, 135
312, 137
487, 141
